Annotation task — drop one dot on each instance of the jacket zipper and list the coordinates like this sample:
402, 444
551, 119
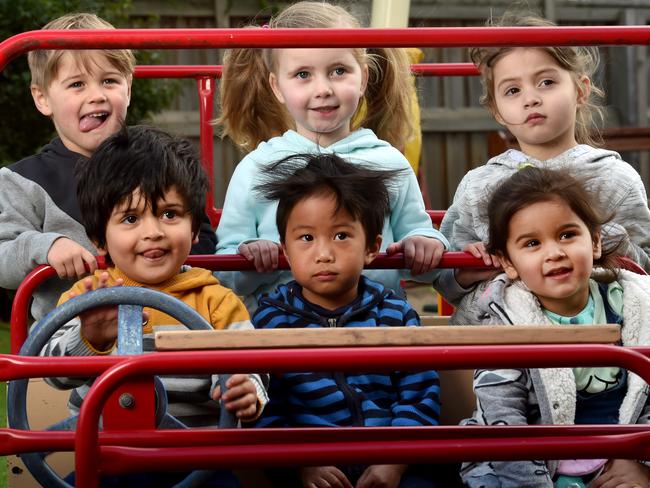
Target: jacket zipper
351, 397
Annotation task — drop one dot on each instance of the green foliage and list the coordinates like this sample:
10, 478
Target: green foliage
23, 129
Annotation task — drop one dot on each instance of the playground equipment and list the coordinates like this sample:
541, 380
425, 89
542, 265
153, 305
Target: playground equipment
129, 442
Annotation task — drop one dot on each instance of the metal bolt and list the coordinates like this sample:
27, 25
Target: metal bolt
126, 400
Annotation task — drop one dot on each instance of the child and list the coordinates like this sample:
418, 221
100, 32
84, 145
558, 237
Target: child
308, 99
545, 97
142, 195
545, 229
86, 94
329, 216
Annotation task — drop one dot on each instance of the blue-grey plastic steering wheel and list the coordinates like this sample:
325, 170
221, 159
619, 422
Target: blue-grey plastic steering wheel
130, 301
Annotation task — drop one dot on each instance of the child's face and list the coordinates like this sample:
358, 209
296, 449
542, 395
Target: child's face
537, 101
86, 106
149, 248
327, 251
321, 89
551, 250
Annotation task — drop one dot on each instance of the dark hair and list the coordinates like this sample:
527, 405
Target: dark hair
360, 190
532, 185
144, 158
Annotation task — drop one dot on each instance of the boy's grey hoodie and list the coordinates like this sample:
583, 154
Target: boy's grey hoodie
615, 183
38, 205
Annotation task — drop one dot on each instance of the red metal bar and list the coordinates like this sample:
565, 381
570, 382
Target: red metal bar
14, 367
13, 441
355, 450
230, 38
205, 85
178, 71
444, 69
236, 262
627, 263
20, 307
141, 413
436, 216
215, 71
350, 359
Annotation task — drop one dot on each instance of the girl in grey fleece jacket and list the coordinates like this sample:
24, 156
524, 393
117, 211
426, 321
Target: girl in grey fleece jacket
545, 230
545, 97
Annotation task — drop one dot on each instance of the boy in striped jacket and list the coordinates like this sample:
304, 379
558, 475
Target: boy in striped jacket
330, 214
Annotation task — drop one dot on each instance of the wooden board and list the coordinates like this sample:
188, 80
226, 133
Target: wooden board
389, 336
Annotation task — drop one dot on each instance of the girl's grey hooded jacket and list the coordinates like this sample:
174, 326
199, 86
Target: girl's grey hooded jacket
616, 184
541, 396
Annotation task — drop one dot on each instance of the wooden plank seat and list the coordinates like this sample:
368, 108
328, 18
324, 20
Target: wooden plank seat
387, 336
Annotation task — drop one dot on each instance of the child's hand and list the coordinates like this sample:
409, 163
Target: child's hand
241, 396
622, 473
323, 476
99, 325
263, 253
477, 249
381, 476
467, 277
69, 258
421, 254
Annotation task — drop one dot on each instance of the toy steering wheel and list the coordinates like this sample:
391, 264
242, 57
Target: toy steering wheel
130, 301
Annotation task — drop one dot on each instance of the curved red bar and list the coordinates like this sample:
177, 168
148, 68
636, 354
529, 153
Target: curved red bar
230, 38
87, 452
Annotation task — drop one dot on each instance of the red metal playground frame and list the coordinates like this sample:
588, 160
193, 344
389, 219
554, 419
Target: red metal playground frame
116, 450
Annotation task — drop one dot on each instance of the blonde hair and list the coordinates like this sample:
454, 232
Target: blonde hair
579, 61
44, 64
250, 113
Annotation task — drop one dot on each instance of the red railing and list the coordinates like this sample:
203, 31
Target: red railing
20, 307
117, 452
128, 451
124, 451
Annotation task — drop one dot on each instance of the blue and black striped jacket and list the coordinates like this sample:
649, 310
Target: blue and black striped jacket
346, 399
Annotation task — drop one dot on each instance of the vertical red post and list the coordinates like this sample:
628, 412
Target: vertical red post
205, 85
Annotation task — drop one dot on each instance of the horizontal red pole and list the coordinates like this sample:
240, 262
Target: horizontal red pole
14, 441
223, 262
444, 69
355, 450
215, 71
14, 367
381, 358
407, 37
178, 71
236, 262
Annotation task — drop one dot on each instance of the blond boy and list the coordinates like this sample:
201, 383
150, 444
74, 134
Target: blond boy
86, 93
